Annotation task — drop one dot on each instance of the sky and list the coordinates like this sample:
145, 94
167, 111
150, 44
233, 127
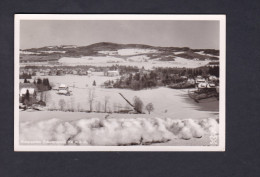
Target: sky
170, 33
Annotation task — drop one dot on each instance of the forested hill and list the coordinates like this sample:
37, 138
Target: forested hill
54, 53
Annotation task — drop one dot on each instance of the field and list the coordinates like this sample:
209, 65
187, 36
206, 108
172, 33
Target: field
167, 102
137, 60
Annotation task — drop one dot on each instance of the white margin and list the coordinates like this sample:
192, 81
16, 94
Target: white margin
222, 100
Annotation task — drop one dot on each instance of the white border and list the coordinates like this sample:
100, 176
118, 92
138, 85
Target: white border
222, 102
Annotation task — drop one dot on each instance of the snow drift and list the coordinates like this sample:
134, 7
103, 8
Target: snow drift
134, 131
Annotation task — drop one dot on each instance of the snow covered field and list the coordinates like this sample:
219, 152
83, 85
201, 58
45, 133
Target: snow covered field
203, 53
135, 51
167, 102
176, 120
138, 60
90, 60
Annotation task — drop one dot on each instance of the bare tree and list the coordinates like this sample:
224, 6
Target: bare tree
41, 96
149, 107
53, 106
106, 102
91, 98
62, 104
72, 102
109, 109
45, 97
115, 107
78, 107
98, 107
138, 104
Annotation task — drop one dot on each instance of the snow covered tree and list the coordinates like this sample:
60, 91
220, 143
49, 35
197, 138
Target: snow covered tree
149, 107
62, 104
138, 104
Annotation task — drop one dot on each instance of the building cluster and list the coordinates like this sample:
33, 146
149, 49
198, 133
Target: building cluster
56, 71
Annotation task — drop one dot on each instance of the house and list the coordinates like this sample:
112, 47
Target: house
63, 89
74, 72
191, 81
89, 72
213, 78
46, 72
207, 86
200, 79
82, 72
91, 69
184, 77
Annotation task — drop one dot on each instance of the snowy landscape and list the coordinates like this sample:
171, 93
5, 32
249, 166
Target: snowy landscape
89, 106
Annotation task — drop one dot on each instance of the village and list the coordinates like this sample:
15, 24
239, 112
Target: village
44, 88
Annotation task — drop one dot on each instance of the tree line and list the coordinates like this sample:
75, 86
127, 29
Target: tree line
163, 77
42, 84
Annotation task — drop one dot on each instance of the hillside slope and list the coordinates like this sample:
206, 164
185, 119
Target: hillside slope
123, 51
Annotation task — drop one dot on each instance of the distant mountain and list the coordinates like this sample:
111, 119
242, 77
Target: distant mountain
54, 53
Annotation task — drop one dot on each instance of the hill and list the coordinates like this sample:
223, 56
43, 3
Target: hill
123, 51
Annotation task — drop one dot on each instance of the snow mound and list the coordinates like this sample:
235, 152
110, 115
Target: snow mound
133, 131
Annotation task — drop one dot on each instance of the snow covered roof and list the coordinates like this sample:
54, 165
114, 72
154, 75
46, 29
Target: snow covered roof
200, 80
202, 85
205, 85
62, 91
213, 78
62, 86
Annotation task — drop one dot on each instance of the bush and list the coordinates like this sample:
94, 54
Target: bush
138, 104
149, 107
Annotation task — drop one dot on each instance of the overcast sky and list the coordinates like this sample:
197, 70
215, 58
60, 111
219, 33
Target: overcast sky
193, 34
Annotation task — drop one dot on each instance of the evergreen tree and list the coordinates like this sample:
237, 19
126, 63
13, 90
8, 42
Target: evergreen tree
137, 76
39, 81
26, 99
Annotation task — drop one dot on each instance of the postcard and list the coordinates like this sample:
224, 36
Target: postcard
119, 82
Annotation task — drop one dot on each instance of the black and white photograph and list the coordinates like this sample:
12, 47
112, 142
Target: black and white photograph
119, 82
